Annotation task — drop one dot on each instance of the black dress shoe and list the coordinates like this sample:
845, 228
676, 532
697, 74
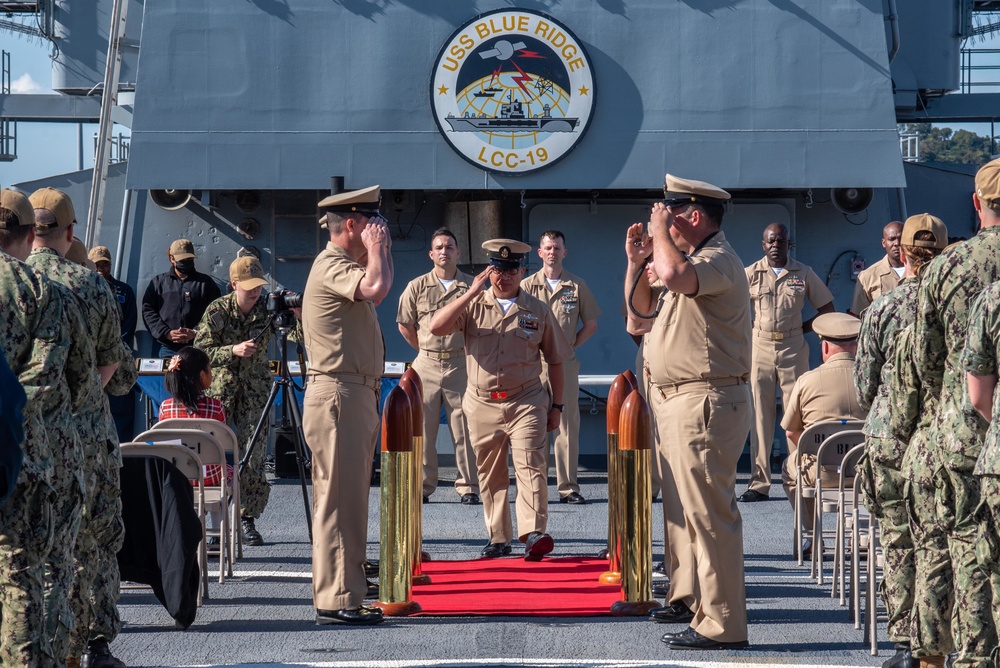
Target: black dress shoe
98, 655
752, 496
691, 639
675, 613
470, 499
537, 546
573, 498
372, 588
661, 587
807, 549
494, 550
427, 499
658, 567
361, 616
371, 568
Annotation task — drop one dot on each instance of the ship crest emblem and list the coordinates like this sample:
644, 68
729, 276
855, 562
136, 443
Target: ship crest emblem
512, 91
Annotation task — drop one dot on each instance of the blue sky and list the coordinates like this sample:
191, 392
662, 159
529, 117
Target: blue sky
43, 149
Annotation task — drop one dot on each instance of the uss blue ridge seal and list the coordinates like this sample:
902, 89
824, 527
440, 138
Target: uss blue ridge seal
512, 91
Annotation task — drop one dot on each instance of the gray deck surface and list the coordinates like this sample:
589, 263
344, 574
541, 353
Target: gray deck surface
264, 615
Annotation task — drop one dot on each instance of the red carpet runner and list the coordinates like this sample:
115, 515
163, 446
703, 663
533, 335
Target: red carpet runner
561, 587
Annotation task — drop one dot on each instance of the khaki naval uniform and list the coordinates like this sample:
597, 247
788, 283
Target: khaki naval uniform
572, 303
873, 282
440, 363
507, 404
825, 393
340, 421
780, 352
698, 355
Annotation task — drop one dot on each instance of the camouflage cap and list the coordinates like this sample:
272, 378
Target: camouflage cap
837, 326
505, 253
247, 273
988, 184
58, 203
924, 222
18, 204
181, 249
99, 254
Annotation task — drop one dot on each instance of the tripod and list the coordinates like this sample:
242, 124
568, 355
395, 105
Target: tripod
290, 408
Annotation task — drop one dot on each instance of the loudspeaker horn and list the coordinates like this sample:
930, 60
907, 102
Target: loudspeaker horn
170, 199
851, 200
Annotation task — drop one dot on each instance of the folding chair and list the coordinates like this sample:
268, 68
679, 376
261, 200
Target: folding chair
874, 564
860, 541
230, 445
190, 465
809, 443
829, 458
846, 500
216, 497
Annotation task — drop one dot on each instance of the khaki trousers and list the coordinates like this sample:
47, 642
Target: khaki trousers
773, 364
567, 435
702, 429
517, 425
444, 382
341, 422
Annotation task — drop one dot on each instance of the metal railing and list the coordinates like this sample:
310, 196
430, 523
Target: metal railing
118, 148
8, 129
980, 70
909, 147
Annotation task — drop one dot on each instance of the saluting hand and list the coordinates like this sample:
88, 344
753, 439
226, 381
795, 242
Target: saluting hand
638, 244
481, 279
374, 235
659, 218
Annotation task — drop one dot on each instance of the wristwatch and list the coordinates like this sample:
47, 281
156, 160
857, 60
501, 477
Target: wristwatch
559, 406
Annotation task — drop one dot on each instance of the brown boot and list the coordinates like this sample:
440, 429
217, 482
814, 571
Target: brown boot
932, 662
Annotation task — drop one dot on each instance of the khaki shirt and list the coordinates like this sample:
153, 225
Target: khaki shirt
572, 302
825, 393
503, 350
421, 299
874, 281
778, 300
705, 335
341, 335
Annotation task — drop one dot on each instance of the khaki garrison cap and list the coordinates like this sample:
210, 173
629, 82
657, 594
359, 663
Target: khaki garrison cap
924, 222
505, 253
181, 249
78, 253
837, 326
676, 191
99, 254
18, 204
247, 273
58, 203
988, 184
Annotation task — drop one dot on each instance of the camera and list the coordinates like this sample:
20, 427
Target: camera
283, 301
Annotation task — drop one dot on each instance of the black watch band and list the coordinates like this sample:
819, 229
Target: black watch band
559, 406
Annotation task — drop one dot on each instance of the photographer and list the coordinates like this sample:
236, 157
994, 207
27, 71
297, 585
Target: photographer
698, 355
235, 331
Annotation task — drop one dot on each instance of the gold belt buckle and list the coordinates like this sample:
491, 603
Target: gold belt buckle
777, 336
498, 395
444, 355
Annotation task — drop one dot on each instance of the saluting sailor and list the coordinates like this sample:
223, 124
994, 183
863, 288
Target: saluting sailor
507, 406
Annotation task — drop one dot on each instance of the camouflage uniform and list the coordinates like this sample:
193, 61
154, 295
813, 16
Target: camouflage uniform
980, 358
34, 341
95, 591
76, 388
948, 285
882, 481
242, 384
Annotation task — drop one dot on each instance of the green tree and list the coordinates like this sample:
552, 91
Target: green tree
944, 145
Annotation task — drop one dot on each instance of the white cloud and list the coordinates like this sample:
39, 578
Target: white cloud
25, 84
